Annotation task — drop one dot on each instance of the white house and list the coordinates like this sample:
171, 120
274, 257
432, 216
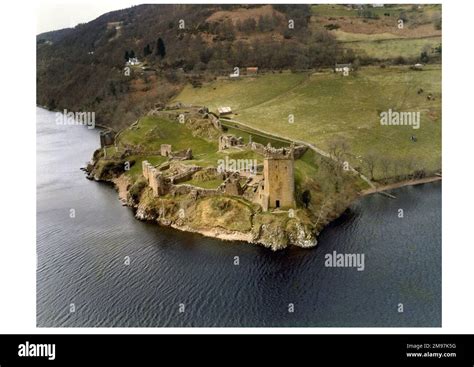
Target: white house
133, 61
224, 110
343, 67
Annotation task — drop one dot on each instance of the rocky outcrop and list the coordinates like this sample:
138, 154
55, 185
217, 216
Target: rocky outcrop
274, 231
209, 212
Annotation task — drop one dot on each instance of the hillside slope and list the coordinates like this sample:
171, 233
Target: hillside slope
83, 68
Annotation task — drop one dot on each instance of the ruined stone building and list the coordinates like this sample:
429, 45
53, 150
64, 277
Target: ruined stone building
231, 185
165, 150
180, 155
227, 141
107, 138
155, 179
277, 189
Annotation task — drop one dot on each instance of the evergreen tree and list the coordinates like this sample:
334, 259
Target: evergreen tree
127, 56
146, 50
160, 48
424, 58
306, 197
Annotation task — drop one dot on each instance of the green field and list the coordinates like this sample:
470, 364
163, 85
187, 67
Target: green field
338, 10
251, 91
384, 49
363, 37
328, 105
151, 132
377, 35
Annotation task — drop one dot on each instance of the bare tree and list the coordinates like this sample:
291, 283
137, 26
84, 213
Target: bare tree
385, 164
370, 162
338, 148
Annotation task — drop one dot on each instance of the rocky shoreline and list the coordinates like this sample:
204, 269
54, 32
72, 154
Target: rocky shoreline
274, 233
397, 185
276, 230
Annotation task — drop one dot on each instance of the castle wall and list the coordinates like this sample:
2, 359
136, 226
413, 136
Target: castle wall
185, 176
299, 150
107, 138
198, 192
232, 187
145, 167
155, 179
257, 147
165, 150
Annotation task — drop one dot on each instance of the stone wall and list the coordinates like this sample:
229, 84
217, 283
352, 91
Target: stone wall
257, 147
228, 140
165, 150
193, 191
231, 186
182, 155
155, 179
299, 150
185, 176
107, 138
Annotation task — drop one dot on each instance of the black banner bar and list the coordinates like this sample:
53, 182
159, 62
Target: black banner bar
137, 350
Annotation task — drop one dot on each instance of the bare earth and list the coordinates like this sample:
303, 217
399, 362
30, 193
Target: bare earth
400, 184
121, 184
217, 233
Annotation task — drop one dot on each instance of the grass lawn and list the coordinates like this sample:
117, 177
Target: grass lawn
151, 132
338, 10
136, 170
250, 91
391, 48
211, 184
327, 105
362, 37
256, 136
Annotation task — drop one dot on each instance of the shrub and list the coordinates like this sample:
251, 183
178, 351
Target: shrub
137, 189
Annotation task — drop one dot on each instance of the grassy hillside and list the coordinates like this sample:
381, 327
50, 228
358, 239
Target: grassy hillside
392, 48
373, 32
327, 106
151, 132
82, 68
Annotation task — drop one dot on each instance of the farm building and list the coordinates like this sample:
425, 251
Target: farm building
133, 61
342, 68
224, 110
252, 70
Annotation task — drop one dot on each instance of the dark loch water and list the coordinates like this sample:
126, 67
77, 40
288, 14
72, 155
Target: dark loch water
81, 259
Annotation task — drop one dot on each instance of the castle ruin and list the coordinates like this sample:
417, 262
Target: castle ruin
273, 187
155, 179
277, 189
228, 141
165, 150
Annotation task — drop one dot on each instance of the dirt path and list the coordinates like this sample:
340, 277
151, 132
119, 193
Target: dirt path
400, 184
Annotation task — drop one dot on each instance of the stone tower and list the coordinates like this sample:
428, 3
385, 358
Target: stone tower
278, 189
